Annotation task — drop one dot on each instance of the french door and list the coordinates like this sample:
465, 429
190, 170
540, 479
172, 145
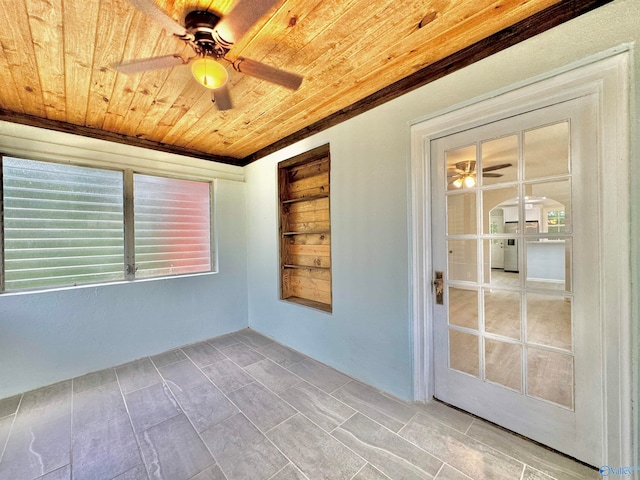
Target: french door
517, 307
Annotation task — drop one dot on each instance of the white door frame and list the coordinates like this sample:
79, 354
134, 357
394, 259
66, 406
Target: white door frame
606, 75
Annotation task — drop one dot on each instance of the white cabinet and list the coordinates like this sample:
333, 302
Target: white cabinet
532, 213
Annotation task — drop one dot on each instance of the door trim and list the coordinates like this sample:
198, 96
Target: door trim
606, 76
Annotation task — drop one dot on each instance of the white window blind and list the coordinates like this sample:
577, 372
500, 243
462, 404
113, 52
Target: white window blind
172, 226
63, 224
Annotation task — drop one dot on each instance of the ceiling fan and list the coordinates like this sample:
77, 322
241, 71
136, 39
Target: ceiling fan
211, 37
464, 173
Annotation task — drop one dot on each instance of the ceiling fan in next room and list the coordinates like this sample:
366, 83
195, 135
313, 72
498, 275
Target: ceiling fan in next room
211, 37
464, 173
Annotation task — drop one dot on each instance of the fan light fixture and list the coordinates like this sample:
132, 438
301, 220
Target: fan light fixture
209, 73
211, 38
468, 180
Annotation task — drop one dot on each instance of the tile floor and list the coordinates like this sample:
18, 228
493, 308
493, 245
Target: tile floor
241, 406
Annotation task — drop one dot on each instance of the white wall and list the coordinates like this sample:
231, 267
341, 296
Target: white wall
50, 336
368, 333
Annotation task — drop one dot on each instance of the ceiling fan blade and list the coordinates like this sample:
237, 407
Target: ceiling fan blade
155, 63
151, 10
265, 72
496, 167
466, 166
241, 18
492, 175
222, 98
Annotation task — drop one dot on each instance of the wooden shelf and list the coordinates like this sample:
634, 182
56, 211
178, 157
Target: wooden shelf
307, 267
316, 232
306, 199
325, 307
305, 229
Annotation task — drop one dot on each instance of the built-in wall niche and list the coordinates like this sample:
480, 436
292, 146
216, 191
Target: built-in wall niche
305, 229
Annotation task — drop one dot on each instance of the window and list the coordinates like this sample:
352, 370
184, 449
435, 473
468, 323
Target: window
305, 229
172, 229
555, 221
69, 225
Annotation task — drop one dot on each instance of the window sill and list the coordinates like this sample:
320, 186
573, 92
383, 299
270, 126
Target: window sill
101, 285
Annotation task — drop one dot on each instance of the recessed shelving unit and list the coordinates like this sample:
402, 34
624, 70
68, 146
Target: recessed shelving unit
305, 229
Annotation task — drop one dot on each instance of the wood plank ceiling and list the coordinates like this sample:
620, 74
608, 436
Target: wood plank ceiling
56, 59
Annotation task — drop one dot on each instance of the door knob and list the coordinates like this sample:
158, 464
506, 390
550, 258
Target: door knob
438, 283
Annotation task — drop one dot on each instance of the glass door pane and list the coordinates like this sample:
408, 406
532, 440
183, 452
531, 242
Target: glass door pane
509, 237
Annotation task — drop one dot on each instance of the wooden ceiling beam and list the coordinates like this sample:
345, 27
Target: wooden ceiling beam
542, 21
65, 127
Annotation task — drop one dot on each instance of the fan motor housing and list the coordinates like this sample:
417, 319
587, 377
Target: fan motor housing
200, 24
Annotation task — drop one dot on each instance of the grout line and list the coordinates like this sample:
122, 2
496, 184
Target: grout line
465, 435
133, 430
554, 464
432, 418
380, 472
397, 434
356, 411
294, 408
386, 415
264, 432
351, 380
256, 427
466, 432
361, 469
13, 422
141, 360
164, 383
225, 396
285, 466
439, 470
505, 454
73, 380
437, 457
506, 432
399, 458
409, 421
235, 389
240, 412
524, 469
261, 350
456, 469
298, 412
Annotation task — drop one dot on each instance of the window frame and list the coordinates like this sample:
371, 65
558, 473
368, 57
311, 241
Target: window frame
559, 228
128, 198
2, 274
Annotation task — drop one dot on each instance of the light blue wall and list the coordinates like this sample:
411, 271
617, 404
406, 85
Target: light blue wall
50, 336
368, 334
